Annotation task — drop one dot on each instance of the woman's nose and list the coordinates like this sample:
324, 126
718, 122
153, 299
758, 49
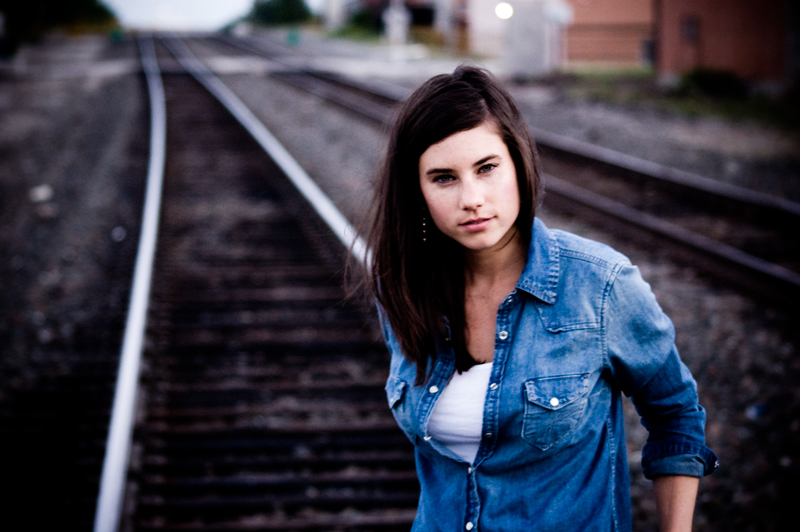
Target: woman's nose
471, 194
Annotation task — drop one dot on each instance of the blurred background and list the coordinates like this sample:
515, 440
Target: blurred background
710, 87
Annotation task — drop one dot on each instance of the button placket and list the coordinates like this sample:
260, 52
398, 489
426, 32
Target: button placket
510, 297
442, 369
473, 501
502, 316
491, 409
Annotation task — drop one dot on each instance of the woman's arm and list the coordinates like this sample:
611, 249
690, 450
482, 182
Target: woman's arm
675, 497
645, 364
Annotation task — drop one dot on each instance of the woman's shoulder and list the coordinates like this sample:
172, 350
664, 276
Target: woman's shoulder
572, 247
580, 248
564, 266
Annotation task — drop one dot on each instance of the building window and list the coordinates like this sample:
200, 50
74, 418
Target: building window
690, 29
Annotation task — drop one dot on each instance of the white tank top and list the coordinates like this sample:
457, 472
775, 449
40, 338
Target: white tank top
457, 418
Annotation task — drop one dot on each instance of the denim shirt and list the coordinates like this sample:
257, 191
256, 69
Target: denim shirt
580, 327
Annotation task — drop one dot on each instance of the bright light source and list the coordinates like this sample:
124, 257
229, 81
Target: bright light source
504, 10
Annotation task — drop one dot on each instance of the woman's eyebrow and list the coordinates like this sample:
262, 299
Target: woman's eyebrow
450, 170
439, 171
485, 159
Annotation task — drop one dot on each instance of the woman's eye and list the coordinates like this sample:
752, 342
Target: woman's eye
443, 178
487, 168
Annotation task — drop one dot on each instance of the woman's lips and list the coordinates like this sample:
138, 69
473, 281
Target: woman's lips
478, 224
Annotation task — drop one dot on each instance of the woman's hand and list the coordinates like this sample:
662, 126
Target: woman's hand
675, 497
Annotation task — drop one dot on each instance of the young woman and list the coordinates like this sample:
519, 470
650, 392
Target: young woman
511, 342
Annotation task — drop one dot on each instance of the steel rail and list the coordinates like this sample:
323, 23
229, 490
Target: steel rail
670, 231
386, 90
118, 444
319, 201
660, 172
562, 143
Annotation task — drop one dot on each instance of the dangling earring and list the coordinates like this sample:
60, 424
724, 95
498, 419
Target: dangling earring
424, 226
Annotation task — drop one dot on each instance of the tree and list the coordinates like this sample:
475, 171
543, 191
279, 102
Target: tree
272, 12
30, 19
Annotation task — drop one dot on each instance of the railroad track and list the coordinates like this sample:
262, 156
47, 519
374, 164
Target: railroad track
262, 402
738, 235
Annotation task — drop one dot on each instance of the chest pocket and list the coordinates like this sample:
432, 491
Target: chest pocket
396, 395
553, 408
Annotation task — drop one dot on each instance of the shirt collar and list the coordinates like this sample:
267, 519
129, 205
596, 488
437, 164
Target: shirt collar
540, 276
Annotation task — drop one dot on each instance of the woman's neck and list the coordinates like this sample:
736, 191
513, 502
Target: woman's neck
494, 266
490, 275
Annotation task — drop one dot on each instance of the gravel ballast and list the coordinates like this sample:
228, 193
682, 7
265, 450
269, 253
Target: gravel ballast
78, 135
73, 143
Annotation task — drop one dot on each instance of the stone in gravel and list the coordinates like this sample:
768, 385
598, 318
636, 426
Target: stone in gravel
41, 193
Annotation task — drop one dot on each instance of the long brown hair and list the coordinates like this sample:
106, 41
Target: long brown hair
420, 284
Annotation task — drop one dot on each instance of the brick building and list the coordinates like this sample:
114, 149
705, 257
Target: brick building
758, 40
748, 37
611, 31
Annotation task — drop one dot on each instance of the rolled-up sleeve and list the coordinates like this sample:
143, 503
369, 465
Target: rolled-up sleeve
640, 345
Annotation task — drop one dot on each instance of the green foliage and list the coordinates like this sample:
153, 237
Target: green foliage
364, 23
275, 12
713, 83
624, 86
30, 19
49, 13
714, 95
366, 19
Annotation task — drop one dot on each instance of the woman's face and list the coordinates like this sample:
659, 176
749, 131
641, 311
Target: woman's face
469, 183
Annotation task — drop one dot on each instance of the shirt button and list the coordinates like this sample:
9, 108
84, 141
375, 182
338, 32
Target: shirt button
503, 335
469, 470
469, 526
554, 401
427, 438
433, 389
493, 386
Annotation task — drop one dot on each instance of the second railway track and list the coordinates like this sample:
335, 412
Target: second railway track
738, 235
262, 401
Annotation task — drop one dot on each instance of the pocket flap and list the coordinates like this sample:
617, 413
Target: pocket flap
554, 393
394, 390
